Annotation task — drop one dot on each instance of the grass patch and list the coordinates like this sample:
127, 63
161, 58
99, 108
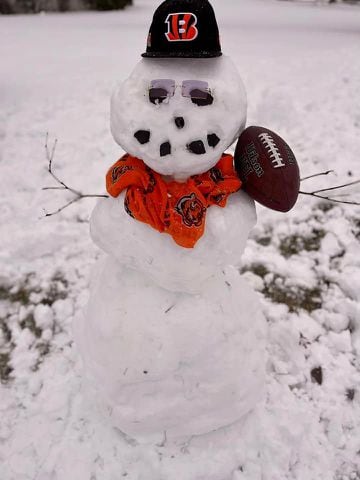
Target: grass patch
265, 238
21, 294
58, 289
350, 394
5, 354
5, 368
295, 244
29, 322
44, 349
18, 296
296, 298
5, 330
264, 241
4, 292
325, 206
356, 228
275, 289
258, 269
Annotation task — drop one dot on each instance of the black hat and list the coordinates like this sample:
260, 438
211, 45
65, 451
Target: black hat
184, 28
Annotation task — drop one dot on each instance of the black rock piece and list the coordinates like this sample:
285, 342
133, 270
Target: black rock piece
180, 122
197, 147
317, 375
213, 140
165, 149
142, 136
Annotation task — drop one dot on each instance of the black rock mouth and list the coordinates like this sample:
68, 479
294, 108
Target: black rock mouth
213, 140
197, 147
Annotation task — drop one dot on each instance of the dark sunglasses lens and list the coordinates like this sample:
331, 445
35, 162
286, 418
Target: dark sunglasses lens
157, 95
208, 99
160, 89
198, 91
195, 88
198, 94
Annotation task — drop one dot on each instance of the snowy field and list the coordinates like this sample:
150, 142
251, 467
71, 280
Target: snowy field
301, 66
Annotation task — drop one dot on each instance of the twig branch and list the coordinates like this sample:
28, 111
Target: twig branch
317, 175
50, 154
338, 187
50, 157
61, 208
315, 193
330, 199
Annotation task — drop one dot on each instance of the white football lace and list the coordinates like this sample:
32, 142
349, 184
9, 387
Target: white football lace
270, 145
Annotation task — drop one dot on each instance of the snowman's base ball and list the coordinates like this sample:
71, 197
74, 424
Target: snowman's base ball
268, 168
175, 362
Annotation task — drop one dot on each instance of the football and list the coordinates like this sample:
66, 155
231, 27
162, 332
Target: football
268, 168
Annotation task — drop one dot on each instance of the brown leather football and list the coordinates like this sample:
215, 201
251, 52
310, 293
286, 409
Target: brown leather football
268, 168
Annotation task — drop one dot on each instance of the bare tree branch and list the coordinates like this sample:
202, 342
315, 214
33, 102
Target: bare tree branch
50, 154
50, 214
330, 199
315, 193
50, 157
356, 182
317, 175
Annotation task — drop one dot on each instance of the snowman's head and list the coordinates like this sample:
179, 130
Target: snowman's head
179, 115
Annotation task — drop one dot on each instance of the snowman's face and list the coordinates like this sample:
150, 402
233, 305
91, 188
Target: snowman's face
179, 115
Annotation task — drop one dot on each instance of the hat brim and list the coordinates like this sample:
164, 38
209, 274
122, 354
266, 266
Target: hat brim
181, 54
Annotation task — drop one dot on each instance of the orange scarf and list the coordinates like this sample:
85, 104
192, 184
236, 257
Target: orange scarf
178, 209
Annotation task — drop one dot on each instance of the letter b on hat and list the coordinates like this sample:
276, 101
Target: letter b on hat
181, 27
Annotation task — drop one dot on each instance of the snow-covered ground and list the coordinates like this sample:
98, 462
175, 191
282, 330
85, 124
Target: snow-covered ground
300, 63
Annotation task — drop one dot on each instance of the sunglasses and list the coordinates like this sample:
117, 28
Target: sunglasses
197, 90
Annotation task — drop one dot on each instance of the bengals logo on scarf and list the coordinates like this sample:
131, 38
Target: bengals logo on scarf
191, 210
181, 27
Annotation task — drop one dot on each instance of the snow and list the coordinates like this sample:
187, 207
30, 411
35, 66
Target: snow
300, 66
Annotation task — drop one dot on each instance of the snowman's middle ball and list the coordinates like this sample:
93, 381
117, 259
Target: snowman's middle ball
178, 134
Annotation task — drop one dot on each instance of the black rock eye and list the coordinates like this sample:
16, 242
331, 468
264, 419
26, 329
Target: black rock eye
201, 98
157, 95
142, 136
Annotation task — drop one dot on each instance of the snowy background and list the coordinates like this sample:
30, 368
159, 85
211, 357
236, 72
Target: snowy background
300, 64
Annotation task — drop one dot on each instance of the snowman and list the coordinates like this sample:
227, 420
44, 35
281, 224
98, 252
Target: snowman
173, 338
